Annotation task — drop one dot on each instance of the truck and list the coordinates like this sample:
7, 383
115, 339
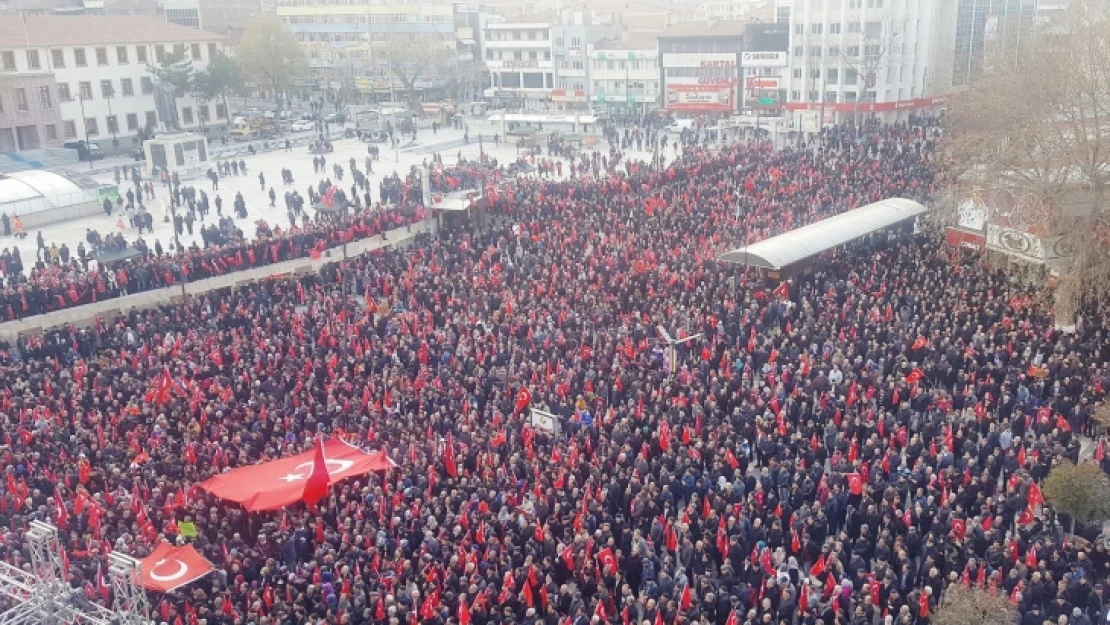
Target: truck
244, 129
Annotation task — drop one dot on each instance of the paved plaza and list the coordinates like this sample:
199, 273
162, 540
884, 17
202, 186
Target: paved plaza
448, 143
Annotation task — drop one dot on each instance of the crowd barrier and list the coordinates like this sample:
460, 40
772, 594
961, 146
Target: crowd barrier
85, 316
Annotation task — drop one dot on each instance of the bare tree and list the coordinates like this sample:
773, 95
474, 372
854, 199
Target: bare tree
412, 60
967, 606
870, 53
1049, 150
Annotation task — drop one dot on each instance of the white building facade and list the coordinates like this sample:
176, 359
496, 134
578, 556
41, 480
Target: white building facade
852, 58
519, 57
99, 66
624, 77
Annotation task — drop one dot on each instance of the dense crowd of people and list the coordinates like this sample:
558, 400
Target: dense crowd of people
839, 449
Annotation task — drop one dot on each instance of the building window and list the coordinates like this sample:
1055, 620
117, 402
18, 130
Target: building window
70, 129
106, 90
797, 72
51, 132
815, 73
86, 90
816, 28
850, 76
113, 124
852, 51
102, 56
799, 51
834, 52
79, 57
121, 55
127, 87
202, 112
45, 101
799, 29
849, 96
33, 59
63, 92
795, 96
853, 28
159, 52
151, 119
830, 96
90, 127
833, 76
58, 58
9, 61
782, 15
815, 51
575, 42
147, 85
187, 115
834, 28
140, 54
21, 99
221, 112
132, 121
211, 51
194, 49
558, 42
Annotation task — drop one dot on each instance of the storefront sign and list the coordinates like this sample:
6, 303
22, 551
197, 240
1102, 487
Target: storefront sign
705, 98
754, 83
763, 59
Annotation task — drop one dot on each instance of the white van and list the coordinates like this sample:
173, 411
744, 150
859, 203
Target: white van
679, 125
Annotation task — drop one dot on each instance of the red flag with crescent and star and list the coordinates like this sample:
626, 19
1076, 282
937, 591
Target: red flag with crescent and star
170, 567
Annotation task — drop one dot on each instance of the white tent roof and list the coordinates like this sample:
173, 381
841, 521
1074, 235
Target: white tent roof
788, 248
35, 183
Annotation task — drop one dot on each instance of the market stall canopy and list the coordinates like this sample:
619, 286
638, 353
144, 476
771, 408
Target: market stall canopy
280, 483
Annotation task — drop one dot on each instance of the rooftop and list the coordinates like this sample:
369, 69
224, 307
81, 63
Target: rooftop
720, 28
73, 30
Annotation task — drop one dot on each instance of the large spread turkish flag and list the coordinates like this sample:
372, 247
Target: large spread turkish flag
275, 485
171, 567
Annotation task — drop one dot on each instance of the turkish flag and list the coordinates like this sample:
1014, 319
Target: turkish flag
170, 567
855, 483
316, 486
783, 290
449, 457
280, 483
523, 399
687, 599
915, 376
1034, 496
608, 560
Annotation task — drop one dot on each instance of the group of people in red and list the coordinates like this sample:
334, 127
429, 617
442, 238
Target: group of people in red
841, 449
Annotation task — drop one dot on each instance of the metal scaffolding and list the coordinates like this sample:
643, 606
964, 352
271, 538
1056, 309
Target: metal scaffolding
129, 599
42, 595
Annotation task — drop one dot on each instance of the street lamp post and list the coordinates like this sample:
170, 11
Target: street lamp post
84, 120
115, 125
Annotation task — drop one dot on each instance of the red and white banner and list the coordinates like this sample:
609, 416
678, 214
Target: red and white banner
170, 567
868, 107
281, 483
703, 98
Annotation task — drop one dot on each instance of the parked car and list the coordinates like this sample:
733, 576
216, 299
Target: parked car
85, 151
336, 118
303, 124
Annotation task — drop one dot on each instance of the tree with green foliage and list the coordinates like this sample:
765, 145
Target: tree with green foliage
271, 55
222, 77
1081, 491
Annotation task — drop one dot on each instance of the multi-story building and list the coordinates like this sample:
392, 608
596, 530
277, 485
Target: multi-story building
93, 71
985, 27
703, 70
347, 42
852, 58
520, 59
226, 16
624, 76
30, 114
728, 9
182, 12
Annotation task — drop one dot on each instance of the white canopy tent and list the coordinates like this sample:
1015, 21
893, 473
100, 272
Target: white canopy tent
791, 247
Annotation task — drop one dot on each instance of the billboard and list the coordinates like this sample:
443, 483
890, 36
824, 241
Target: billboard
702, 98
